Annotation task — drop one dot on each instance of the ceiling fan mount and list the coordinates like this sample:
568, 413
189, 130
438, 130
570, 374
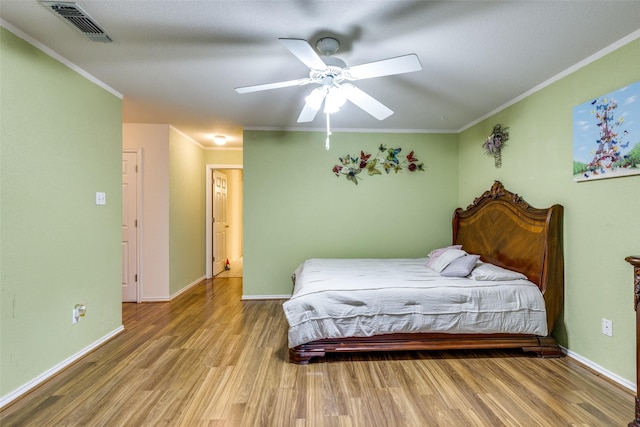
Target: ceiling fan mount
327, 46
331, 73
334, 71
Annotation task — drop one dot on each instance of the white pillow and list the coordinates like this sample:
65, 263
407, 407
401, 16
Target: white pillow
445, 259
460, 267
487, 271
435, 254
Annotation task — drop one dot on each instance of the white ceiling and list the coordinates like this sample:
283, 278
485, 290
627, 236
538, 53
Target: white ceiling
178, 62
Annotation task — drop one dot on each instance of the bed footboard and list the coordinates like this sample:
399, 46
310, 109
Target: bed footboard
541, 346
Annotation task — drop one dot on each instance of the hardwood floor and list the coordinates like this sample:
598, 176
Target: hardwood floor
209, 359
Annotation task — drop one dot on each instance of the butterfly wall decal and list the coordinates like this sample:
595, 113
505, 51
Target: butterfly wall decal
388, 159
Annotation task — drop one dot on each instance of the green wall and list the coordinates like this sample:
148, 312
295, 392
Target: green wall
60, 143
602, 218
223, 157
296, 208
186, 212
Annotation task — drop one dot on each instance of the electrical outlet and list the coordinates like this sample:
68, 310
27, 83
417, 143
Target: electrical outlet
607, 327
74, 316
81, 309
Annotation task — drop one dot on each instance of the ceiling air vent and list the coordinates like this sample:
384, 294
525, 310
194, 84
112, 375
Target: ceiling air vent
73, 14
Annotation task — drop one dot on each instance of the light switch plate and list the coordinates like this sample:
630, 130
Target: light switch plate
101, 198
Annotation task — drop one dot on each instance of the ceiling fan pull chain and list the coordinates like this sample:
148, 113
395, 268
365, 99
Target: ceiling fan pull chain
326, 143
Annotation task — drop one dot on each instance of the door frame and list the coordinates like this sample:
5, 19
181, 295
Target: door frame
140, 224
209, 168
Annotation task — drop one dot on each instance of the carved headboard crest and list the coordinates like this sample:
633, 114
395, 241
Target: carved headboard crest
498, 191
635, 262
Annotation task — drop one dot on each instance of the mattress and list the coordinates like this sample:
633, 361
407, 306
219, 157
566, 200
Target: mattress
337, 298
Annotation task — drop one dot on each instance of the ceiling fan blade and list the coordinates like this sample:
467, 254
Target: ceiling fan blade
278, 85
307, 114
366, 102
385, 67
305, 53
312, 104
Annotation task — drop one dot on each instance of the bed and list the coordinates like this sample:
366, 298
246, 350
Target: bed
500, 229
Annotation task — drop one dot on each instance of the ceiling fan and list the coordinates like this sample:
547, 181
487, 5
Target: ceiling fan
332, 74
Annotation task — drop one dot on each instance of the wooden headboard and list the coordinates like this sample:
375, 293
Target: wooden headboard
502, 228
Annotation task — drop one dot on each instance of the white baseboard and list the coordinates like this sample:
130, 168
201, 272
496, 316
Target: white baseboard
5, 400
599, 369
186, 288
180, 292
156, 299
254, 297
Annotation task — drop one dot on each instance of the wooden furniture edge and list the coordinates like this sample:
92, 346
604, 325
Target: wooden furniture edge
635, 262
545, 347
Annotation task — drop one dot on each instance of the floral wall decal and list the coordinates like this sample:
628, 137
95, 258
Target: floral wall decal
495, 143
387, 160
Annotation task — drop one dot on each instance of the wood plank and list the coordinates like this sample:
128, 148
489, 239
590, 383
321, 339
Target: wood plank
210, 359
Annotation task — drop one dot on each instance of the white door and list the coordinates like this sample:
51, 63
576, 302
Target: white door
129, 228
220, 224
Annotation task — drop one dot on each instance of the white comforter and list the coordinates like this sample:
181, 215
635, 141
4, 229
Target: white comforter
335, 298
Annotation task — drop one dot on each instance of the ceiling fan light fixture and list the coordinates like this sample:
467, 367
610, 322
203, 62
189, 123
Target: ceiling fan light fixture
335, 99
315, 98
219, 139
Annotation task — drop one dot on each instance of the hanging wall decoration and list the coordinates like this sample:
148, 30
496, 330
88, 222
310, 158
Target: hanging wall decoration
495, 143
606, 135
387, 160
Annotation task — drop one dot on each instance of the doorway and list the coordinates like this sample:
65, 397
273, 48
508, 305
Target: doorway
223, 228
220, 222
131, 196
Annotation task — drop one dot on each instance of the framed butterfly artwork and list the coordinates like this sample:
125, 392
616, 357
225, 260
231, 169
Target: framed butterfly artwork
606, 135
